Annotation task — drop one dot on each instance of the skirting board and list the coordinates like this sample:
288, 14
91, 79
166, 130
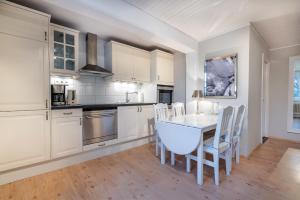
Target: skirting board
18, 174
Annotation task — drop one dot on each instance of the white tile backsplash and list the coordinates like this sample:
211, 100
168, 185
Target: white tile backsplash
96, 90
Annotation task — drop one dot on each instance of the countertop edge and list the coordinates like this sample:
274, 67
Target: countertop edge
97, 106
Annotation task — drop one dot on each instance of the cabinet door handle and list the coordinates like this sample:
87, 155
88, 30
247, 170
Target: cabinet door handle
47, 115
68, 113
141, 108
45, 35
101, 145
46, 103
138, 109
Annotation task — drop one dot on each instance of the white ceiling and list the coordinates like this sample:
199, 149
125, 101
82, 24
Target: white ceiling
276, 20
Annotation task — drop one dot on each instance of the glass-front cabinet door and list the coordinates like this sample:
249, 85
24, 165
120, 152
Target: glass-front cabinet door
64, 50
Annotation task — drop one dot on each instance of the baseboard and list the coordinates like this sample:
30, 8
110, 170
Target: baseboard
33, 170
284, 139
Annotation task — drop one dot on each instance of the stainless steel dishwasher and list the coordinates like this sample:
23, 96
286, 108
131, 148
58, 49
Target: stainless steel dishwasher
99, 126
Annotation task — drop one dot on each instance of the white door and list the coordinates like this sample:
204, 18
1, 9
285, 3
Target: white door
146, 121
141, 63
66, 136
122, 62
25, 138
265, 99
127, 122
165, 69
24, 73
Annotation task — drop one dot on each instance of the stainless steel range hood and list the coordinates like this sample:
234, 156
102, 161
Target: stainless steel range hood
91, 56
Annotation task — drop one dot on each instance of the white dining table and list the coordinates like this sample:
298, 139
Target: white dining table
183, 135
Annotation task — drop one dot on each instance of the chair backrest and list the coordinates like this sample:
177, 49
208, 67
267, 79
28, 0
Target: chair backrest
224, 125
239, 121
160, 112
178, 109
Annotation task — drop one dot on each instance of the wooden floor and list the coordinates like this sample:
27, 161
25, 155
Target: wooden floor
137, 174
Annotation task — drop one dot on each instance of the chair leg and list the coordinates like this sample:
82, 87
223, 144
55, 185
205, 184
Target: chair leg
156, 144
228, 159
188, 163
162, 153
237, 152
216, 167
172, 158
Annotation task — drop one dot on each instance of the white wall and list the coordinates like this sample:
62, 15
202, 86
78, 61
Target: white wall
179, 77
257, 49
279, 93
233, 42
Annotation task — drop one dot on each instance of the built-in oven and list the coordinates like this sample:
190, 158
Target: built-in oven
165, 94
99, 126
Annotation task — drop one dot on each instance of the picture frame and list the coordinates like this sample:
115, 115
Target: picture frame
220, 76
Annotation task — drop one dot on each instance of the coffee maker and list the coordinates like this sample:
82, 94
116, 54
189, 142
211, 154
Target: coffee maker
58, 95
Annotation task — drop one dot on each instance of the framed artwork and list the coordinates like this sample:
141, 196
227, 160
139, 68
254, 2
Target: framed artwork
220, 79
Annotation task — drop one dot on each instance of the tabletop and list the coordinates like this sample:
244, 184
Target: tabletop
200, 121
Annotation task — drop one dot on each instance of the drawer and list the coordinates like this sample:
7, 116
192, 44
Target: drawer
67, 113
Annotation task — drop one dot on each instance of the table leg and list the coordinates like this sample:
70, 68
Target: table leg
162, 153
200, 161
188, 163
172, 158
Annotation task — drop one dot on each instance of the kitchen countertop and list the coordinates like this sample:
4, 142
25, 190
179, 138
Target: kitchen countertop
87, 107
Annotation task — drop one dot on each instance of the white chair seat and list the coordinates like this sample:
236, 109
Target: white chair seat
209, 147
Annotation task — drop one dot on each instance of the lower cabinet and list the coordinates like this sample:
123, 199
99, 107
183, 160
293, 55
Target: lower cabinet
25, 138
135, 122
146, 121
66, 133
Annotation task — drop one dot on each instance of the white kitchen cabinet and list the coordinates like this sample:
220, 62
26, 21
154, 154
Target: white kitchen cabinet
23, 22
141, 65
134, 122
162, 67
63, 50
146, 121
127, 63
25, 138
127, 123
66, 132
24, 73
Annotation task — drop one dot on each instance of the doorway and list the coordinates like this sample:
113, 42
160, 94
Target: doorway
265, 99
294, 95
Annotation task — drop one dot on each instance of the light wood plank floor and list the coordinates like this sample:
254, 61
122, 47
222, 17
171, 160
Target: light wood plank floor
137, 174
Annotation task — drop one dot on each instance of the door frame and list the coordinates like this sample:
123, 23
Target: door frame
265, 78
290, 128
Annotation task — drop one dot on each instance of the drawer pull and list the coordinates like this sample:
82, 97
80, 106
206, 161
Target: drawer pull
68, 113
101, 145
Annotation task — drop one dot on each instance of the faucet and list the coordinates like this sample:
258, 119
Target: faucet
127, 95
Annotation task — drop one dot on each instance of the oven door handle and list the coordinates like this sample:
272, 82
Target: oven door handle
99, 116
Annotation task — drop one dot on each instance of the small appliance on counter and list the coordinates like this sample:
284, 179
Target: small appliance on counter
71, 97
58, 95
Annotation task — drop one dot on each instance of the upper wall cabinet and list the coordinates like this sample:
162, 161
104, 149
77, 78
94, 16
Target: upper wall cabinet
23, 22
24, 60
128, 63
162, 67
63, 50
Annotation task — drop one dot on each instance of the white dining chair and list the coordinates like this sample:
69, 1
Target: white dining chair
160, 112
236, 133
178, 109
219, 145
